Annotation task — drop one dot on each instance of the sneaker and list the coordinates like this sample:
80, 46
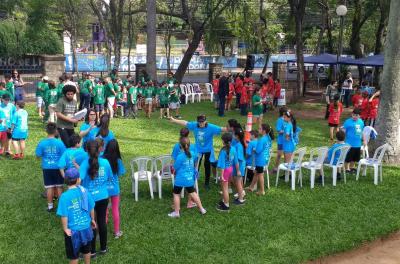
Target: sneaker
222, 207
118, 235
16, 157
50, 209
203, 211
8, 154
236, 195
93, 255
104, 251
174, 215
192, 205
238, 202
21, 155
347, 171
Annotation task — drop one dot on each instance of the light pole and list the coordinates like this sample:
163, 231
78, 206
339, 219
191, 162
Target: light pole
341, 11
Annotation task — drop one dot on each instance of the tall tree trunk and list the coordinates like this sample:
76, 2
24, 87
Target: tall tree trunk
168, 50
194, 43
130, 37
223, 47
355, 39
151, 39
388, 123
74, 57
116, 20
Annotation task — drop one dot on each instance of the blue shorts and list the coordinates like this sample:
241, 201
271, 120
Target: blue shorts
288, 147
280, 146
99, 108
52, 178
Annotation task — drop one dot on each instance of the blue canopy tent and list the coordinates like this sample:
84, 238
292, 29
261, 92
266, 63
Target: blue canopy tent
324, 58
372, 61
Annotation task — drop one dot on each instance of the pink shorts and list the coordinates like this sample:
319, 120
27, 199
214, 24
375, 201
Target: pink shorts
227, 174
3, 136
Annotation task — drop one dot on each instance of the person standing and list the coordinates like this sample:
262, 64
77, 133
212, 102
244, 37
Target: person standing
330, 93
85, 92
347, 88
19, 86
65, 110
223, 91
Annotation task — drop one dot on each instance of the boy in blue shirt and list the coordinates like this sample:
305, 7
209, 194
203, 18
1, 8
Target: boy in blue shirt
76, 209
19, 130
9, 111
50, 150
73, 156
353, 128
280, 137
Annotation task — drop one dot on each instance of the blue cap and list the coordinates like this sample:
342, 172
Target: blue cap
71, 174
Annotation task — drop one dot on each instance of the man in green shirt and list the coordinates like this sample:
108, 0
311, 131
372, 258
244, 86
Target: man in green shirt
110, 96
175, 94
170, 80
42, 86
163, 96
99, 99
132, 100
86, 89
10, 86
51, 97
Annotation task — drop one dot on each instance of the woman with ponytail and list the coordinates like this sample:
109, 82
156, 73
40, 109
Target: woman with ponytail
239, 144
95, 173
227, 159
262, 156
102, 131
335, 111
185, 176
291, 135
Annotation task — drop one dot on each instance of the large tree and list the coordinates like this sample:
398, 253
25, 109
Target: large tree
151, 64
388, 123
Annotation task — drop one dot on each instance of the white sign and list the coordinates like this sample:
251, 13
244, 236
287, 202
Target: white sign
282, 98
141, 49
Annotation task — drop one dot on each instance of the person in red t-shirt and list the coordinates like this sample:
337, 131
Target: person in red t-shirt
277, 92
250, 85
364, 107
244, 100
238, 88
357, 99
373, 109
335, 111
215, 84
230, 95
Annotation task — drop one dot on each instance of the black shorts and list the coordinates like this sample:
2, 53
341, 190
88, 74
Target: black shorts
99, 108
333, 125
164, 106
85, 249
178, 189
52, 178
259, 169
9, 135
353, 155
18, 139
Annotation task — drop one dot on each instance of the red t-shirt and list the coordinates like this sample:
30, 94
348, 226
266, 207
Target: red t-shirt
357, 100
231, 91
373, 108
249, 80
271, 86
238, 85
244, 97
215, 84
264, 90
364, 109
277, 90
334, 114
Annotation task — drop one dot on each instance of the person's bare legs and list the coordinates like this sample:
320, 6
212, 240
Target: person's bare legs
86, 258
260, 177
177, 203
195, 197
16, 147
50, 194
278, 159
239, 187
253, 182
225, 193
331, 133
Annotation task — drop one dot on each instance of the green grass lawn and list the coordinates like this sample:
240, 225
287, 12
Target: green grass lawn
282, 227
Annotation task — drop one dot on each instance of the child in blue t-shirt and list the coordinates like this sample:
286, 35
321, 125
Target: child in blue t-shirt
113, 155
227, 159
262, 156
9, 110
73, 156
95, 173
19, 130
251, 154
51, 150
185, 177
291, 134
76, 209
280, 137
239, 144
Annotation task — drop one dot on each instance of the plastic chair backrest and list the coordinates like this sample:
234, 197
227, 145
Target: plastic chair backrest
196, 88
163, 165
380, 153
300, 154
141, 164
209, 87
320, 154
343, 153
183, 88
190, 88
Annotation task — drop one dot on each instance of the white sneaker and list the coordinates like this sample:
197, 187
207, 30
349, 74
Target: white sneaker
203, 211
174, 215
230, 190
118, 235
192, 205
237, 195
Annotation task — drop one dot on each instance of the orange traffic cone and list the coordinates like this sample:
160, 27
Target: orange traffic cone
249, 126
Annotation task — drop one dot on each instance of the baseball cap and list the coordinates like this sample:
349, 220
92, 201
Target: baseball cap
45, 78
201, 118
71, 174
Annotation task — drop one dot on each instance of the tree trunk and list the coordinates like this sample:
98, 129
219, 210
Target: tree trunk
151, 39
194, 43
267, 55
116, 21
130, 37
388, 124
223, 47
168, 50
379, 36
74, 57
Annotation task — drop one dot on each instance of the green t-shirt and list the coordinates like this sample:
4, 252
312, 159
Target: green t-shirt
257, 109
60, 87
98, 94
175, 94
163, 94
51, 96
120, 96
41, 88
10, 89
170, 82
148, 92
132, 95
86, 87
67, 108
109, 87
4, 92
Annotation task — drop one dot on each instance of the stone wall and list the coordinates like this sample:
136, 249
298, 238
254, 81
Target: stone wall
53, 66
214, 69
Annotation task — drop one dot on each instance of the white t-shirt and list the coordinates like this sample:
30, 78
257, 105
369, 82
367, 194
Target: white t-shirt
348, 85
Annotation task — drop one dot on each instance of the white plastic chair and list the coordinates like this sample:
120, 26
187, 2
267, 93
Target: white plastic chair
193, 93
185, 91
375, 162
210, 91
197, 91
339, 164
162, 171
140, 172
364, 152
292, 167
316, 162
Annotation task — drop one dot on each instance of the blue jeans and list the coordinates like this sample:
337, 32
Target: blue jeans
19, 94
84, 101
346, 98
221, 109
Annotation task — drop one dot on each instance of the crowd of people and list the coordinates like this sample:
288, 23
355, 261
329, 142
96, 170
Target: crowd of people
89, 162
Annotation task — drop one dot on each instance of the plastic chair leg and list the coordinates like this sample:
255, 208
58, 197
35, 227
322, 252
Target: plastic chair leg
267, 178
358, 171
380, 168
376, 174
197, 187
149, 179
334, 175
159, 187
293, 174
136, 190
323, 176
245, 176
312, 177
277, 177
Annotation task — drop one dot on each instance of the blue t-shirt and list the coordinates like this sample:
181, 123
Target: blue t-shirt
263, 150
66, 160
177, 149
224, 162
337, 154
89, 136
69, 206
279, 127
98, 186
9, 111
250, 152
184, 170
106, 139
354, 132
20, 122
113, 184
50, 150
204, 136
240, 156
288, 144
3, 121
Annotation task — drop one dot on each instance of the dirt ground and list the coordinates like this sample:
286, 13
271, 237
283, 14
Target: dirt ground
384, 250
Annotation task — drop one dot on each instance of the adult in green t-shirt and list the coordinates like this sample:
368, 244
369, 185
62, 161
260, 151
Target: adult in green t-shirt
51, 98
86, 89
99, 99
163, 96
257, 108
148, 93
170, 80
132, 100
110, 96
174, 97
42, 86
10, 86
